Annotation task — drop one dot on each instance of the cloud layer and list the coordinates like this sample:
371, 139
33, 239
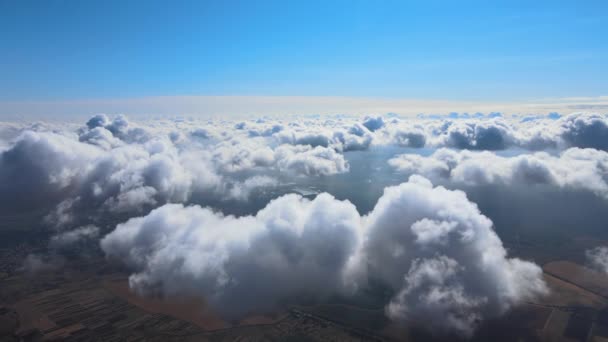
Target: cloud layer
115, 167
575, 168
173, 184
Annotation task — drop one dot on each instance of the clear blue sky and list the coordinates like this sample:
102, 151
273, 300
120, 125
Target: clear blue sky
486, 50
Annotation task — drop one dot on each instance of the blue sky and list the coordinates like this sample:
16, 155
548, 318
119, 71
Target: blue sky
452, 50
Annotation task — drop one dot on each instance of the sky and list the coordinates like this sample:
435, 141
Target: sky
498, 52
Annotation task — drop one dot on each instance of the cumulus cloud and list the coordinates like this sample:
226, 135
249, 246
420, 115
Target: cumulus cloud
414, 138
355, 137
585, 130
491, 132
436, 252
39, 167
598, 258
579, 169
442, 258
292, 247
129, 179
115, 166
112, 165
303, 160
99, 120
480, 135
373, 124
242, 190
69, 238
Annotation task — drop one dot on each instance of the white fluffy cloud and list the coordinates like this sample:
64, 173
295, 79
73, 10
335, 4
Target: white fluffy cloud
292, 247
442, 258
598, 258
575, 168
431, 246
38, 167
118, 167
303, 160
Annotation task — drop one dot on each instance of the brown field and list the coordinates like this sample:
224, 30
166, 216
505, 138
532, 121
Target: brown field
261, 319
563, 293
577, 274
32, 318
556, 325
72, 307
192, 310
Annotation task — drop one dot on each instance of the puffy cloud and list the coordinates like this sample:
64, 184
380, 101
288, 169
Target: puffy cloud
585, 130
129, 179
373, 124
353, 142
292, 247
99, 120
118, 168
307, 161
358, 130
262, 132
436, 252
313, 139
69, 238
101, 137
414, 139
242, 190
125, 167
341, 136
581, 169
39, 167
201, 133
119, 127
236, 156
552, 116
478, 135
598, 258
442, 258
494, 132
